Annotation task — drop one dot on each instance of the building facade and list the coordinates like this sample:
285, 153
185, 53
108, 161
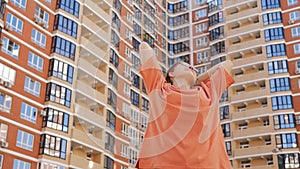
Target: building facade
71, 95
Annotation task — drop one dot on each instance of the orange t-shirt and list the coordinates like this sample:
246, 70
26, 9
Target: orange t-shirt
184, 130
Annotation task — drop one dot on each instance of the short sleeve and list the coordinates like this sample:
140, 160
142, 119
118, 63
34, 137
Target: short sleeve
152, 74
219, 81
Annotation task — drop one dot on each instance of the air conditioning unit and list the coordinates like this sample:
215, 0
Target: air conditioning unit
3, 144
291, 21
45, 25
1, 81
8, 27
297, 71
43, 113
7, 84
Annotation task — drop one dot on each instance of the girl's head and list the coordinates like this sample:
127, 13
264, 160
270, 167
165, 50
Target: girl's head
182, 71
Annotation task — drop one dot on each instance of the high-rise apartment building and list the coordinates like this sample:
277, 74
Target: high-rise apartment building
71, 95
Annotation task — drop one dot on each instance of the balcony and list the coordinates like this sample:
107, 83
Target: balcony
102, 31
86, 113
243, 29
81, 162
91, 93
249, 94
251, 112
249, 59
89, 45
84, 137
250, 76
253, 150
245, 44
98, 6
241, 14
92, 70
252, 131
261, 167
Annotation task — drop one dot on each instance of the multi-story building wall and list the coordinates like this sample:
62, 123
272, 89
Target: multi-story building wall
71, 95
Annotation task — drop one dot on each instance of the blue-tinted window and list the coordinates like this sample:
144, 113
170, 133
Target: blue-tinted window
53, 146
276, 67
56, 119
276, 50
288, 140
114, 58
111, 120
274, 34
284, 121
280, 84
70, 6
135, 98
66, 25
282, 102
287, 160
63, 47
268, 4
58, 94
61, 70
272, 18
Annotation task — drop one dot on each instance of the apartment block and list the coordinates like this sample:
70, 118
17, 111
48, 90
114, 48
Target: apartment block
71, 95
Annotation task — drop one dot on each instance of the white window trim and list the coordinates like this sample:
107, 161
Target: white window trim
15, 27
32, 91
25, 143
33, 113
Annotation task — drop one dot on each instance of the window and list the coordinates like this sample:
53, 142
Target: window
41, 16
297, 48
112, 99
268, 4
1, 160
53, 146
217, 48
108, 162
135, 80
63, 47
178, 47
7, 74
10, 47
3, 132
19, 164
288, 140
215, 18
202, 57
200, 14
61, 70
115, 39
135, 61
179, 20
274, 34
226, 129
66, 25
135, 98
56, 119
178, 34
125, 129
144, 122
46, 165
5, 102
38, 38
275, 50
25, 140
295, 32
224, 112
58, 94
35, 61
134, 118
201, 27
32, 86
288, 161
228, 147
28, 112
200, 42
284, 121
132, 156
272, 18
114, 58
276, 67
70, 6
145, 105
292, 2
282, 102
111, 120
20, 3
126, 89
280, 84
113, 78
200, 2
14, 23
294, 16
217, 33
177, 7
124, 150
214, 5
109, 142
